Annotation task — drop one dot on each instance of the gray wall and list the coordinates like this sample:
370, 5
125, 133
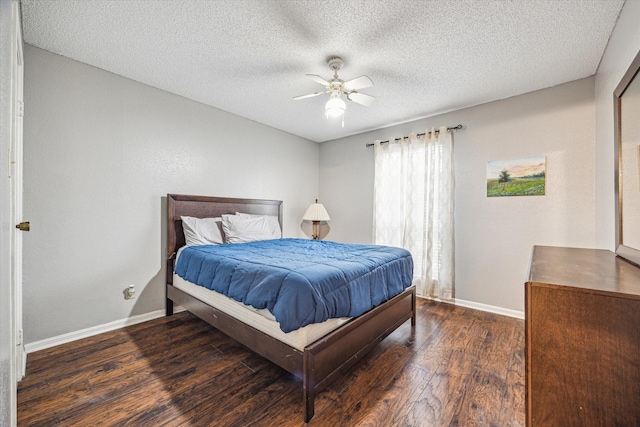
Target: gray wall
7, 386
101, 151
494, 236
623, 46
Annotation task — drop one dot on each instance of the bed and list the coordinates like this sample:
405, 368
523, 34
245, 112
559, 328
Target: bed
317, 363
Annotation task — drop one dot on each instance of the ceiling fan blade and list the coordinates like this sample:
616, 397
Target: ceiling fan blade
311, 95
361, 98
318, 79
361, 82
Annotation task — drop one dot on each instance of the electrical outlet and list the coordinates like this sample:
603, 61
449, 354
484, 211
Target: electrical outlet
130, 292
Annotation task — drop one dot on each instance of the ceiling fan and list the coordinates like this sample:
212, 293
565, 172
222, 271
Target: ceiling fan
336, 87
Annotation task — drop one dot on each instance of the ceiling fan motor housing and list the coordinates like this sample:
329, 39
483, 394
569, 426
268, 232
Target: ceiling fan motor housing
335, 63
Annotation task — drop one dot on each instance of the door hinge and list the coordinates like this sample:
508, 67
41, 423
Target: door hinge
19, 337
20, 111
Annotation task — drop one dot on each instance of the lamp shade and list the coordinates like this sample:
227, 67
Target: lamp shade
316, 212
335, 107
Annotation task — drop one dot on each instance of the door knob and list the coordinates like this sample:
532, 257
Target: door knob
23, 226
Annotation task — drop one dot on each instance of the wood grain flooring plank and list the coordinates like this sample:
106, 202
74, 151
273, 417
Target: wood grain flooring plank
437, 404
100, 360
481, 401
222, 394
456, 367
142, 392
119, 344
491, 342
512, 409
364, 392
413, 383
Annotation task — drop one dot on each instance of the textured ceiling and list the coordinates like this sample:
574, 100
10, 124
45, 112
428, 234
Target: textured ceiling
250, 57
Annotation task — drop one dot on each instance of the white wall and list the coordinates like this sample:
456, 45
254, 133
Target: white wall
101, 152
494, 236
623, 46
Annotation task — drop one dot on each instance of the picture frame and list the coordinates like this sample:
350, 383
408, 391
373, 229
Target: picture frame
517, 177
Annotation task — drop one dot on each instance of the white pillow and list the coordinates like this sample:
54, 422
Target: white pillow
272, 222
201, 231
247, 228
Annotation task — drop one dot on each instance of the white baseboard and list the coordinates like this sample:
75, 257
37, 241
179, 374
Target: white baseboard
95, 330
484, 307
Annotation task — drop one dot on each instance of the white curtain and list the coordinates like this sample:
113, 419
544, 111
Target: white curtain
413, 206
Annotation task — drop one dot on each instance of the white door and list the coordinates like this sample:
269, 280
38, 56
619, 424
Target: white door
16, 189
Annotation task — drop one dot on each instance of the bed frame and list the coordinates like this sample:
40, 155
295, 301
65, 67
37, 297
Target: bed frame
322, 361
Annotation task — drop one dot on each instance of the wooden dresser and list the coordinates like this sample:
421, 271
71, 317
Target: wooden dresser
582, 339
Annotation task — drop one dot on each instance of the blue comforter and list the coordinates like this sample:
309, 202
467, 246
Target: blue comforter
300, 281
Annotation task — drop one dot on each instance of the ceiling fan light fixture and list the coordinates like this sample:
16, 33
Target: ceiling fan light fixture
336, 87
335, 106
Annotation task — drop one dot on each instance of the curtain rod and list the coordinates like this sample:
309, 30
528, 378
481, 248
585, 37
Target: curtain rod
420, 134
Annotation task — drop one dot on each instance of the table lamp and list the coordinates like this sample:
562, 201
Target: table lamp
316, 213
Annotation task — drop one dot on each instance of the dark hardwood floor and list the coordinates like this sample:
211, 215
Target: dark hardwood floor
459, 367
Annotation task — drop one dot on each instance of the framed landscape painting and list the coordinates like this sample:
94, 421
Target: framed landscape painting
519, 177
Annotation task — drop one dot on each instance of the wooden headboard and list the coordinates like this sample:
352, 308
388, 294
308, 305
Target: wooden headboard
208, 207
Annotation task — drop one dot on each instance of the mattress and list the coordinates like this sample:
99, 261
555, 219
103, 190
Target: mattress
261, 320
300, 281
